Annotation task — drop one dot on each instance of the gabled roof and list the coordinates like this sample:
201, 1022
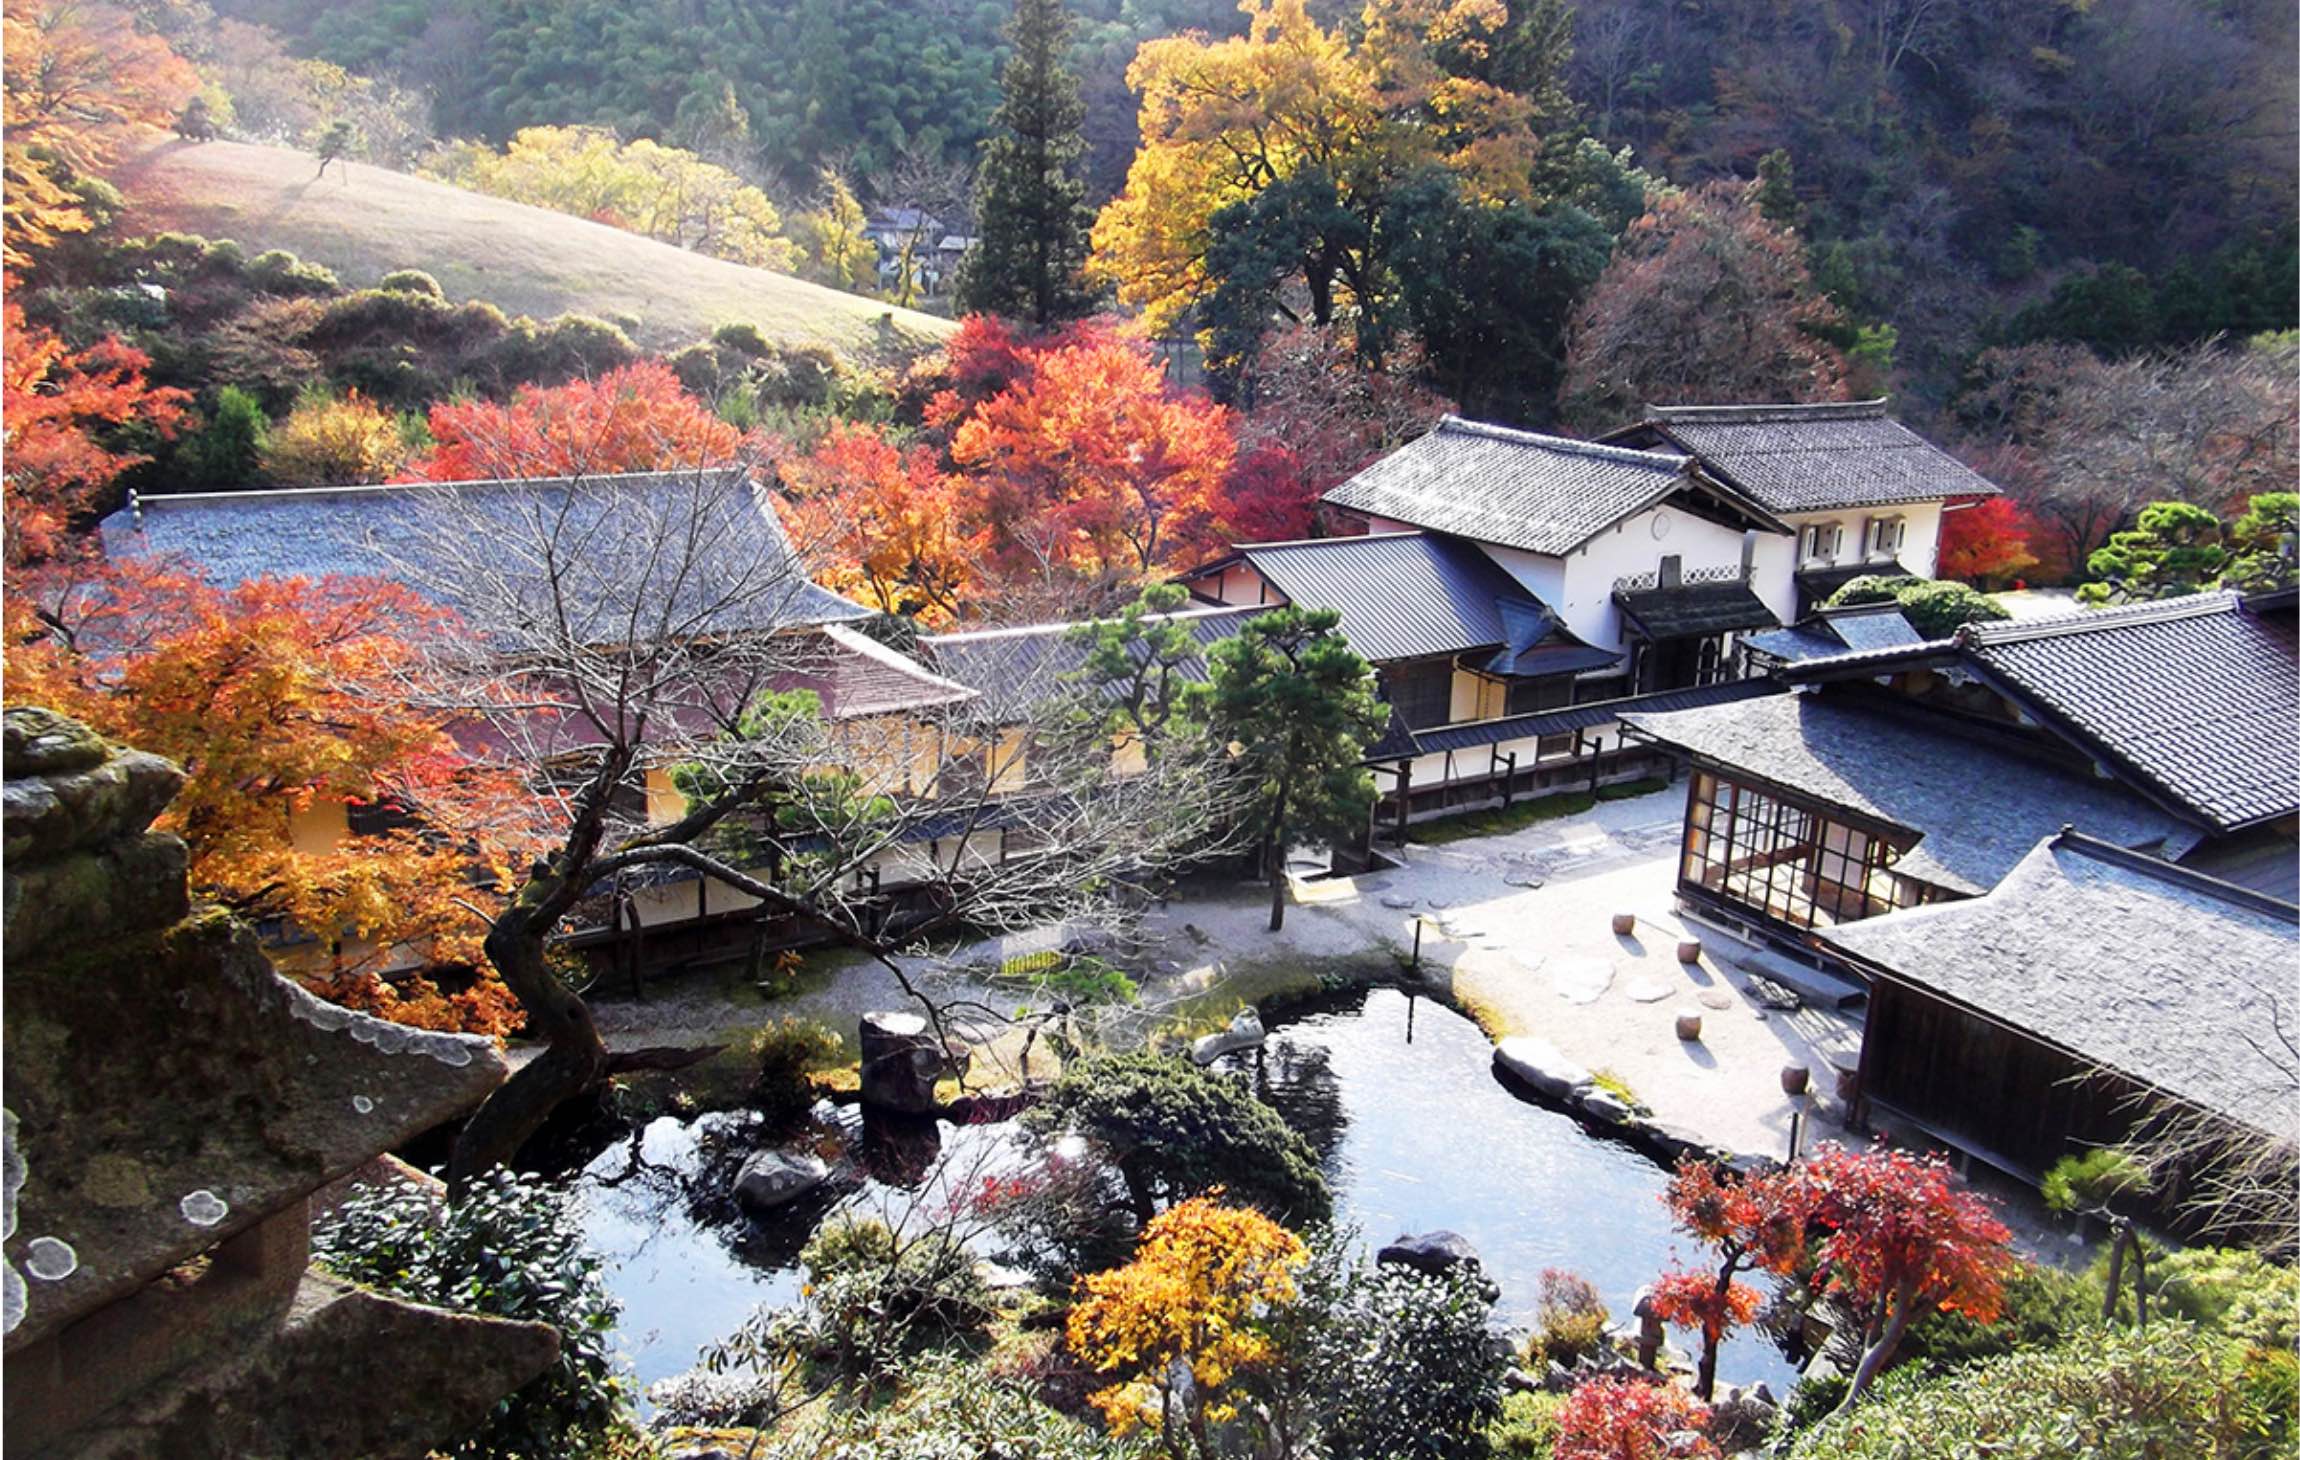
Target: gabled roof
2192, 700
1013, 669
1976, 808
865, 677
1810, 458
1541, 494
229, 538
1411, 595
1564, 721
1693, 610
2194, 697
2151, 970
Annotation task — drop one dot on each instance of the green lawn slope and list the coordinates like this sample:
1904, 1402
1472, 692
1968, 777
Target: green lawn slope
363, 222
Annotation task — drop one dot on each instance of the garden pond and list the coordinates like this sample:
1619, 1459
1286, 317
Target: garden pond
1395, 1092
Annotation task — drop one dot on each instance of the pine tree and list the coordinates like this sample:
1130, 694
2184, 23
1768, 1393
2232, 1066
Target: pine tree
1029, 261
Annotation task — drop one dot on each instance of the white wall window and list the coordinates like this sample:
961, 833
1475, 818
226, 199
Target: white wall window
1822, 540
1886, 535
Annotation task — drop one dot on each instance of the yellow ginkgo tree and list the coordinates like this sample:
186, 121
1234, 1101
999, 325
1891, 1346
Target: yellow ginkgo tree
1187, 1317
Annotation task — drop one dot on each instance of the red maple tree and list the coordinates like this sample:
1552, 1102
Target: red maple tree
1904, 1239
888, 523
1632, 1419
1751, 1223
1987, 542
636, 418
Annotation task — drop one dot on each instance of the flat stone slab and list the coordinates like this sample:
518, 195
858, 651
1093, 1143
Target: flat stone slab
1717, 998
1399, 904
1649, 990
1580, 980
1542, 1065
1524, 879
1803, 979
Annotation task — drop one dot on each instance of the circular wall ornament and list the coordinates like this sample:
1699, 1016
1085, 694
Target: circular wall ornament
1660, 526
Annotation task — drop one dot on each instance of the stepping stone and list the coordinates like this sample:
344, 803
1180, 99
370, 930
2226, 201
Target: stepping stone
1579, 980
1522, 879
1398, 903
1439, 904
1717, 998
1649, 990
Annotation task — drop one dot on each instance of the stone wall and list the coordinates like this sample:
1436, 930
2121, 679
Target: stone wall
171, 1103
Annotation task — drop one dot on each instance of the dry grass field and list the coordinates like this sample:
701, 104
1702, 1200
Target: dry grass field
363, 222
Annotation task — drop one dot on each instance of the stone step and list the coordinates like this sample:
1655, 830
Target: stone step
1814, 985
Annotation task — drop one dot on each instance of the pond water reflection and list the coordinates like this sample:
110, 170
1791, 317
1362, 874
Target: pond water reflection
1396, 1094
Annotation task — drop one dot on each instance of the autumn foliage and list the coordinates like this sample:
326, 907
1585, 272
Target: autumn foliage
60, 404
1202, 1280
1985, 543
636, 418
1051, 473
275, 697
1632, 1419
1749, 1223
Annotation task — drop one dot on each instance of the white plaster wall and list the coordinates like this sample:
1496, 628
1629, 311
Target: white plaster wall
1629, 547
1920, 541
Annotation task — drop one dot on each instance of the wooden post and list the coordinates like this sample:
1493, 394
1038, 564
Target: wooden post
1509, 780
1405, 797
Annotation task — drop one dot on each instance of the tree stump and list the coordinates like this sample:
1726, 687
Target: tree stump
1689, 1025
1624, 923
1689, 950
901, 1061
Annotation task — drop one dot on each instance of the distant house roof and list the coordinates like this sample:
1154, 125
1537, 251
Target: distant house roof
2191, 700
1412, 595
1014, 669
229, 538
1836, 630
1595, 713
1541, 494
2123, 961
1808, 458
1976, 808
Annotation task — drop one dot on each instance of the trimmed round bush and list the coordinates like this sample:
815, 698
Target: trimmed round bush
410, 281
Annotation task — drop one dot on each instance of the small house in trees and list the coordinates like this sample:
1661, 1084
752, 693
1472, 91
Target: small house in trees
2092, 991
1860, 492
1921, 773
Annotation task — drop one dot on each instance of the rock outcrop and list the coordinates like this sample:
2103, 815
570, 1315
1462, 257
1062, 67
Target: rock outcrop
171, 1105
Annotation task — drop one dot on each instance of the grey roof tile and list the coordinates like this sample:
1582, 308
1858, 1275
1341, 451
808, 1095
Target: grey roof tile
2197, 698
2135, 965
1544, 494
1694, 610
1015, 669
1807, 458
1581, 717
1977, 809
1407, 595
232, 537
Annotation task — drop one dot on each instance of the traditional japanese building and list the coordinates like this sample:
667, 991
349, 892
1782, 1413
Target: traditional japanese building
1859, 491
2088, 990
1923, 772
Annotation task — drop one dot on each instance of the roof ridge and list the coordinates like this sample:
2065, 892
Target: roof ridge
1243, 548
1568, 444
870, 648
2070, 839
149, 499
2083, 621
1015, 631
1846, 410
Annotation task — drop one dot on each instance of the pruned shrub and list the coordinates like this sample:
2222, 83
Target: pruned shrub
410, 281
783, 1057
276, 271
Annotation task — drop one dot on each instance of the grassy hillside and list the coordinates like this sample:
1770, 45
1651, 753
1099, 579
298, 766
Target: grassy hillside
364, 222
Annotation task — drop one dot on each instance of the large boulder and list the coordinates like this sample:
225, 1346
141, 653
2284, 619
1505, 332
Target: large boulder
772, 1179
1544, 1067
1245, 1032
1433, 1253
902, 1059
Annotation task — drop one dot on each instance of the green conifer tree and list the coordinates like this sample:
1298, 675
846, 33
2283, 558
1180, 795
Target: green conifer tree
1030, 257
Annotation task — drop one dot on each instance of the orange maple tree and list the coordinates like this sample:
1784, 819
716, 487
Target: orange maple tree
1986, 542
277, 698
885, 519
1755, 1222
635, 418
57, 404
76, 80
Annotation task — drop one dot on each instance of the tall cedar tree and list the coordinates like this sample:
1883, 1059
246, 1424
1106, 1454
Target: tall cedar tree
1030, 261
1298, 702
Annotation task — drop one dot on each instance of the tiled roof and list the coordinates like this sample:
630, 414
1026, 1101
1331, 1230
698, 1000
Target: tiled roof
1016, 669
1544, 494
1406, 595
1808, 458
2128, 963
2196, 698
1693, 610
1836, 631
1976, 808
231, 537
